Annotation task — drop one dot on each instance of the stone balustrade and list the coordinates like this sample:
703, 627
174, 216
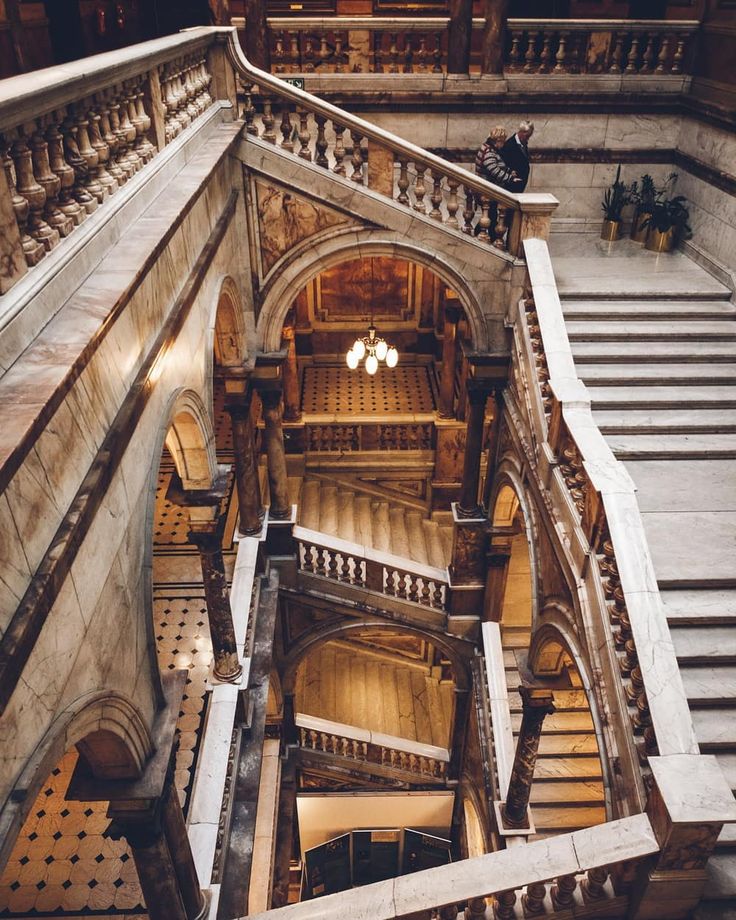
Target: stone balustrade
426, 762
602, 497
364, 567
71, 137
421, 182
341, 437
591, 46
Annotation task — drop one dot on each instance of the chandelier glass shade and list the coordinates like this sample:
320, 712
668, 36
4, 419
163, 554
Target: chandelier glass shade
373, 349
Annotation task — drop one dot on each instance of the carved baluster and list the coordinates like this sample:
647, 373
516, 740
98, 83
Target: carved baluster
340, 56
663, 56
545, 57
304, 136
207, 81
146, 149
632, 61
268, 121
468, 211
286, 128
642, 717
33, 192
420, 189
499, 240
79, 165
50, 182
630, 659
437, 53
503, 907
393, 53
475, 909
617, 53
189, 103
278, 55
425, 598
378, 52
32, 249
678, 56
357, 157
561, 56
321, 561
88, 152
648, 58
593, 885
403, 181
408, 54
249, 110
452, 203
339, 166
532, 901
514, 52
67, 205
437, 597
531, 52
128, 158
436, 196
313, 739
485, 219
413, 589
422, 54
180, 111
108, 182
302, 737
563, 892
294, 55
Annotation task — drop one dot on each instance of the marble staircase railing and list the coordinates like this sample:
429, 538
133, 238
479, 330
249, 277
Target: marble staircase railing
592, 46
365, 567
72, 136
425, 761
334, 139
348, 436
588, 873
642, 677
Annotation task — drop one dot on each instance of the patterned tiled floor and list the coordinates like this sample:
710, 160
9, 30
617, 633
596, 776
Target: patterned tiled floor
336, 389
62, 864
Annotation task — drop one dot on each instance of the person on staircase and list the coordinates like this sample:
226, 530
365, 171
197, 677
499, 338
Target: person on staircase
515, 153
490, 165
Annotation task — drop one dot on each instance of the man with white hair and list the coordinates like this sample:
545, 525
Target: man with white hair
515, 153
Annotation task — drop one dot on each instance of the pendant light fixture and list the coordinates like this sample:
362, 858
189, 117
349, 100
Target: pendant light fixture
371, 347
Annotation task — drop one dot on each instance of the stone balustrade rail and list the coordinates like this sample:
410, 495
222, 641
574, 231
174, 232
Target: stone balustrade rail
425, 761
348, 437
332, 138
602, 496
72, 136
364, 567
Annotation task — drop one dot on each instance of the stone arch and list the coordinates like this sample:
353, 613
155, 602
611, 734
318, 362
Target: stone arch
228, 326
190, 438
307, 261
475, 837
105, 727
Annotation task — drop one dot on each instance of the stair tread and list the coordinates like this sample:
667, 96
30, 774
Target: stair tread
562, 769
672, 446
711, 644
721, 869
708, 684
560, 723
567, 817
699, 605
670, 373
671, 309
650, 351
585, 330
664, 396
581, 792
715, 727
649, 421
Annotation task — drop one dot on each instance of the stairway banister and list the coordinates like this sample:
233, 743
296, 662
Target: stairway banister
534, 203
358, 550
343, 23
379, 739
602, 25
629, 839
667, 701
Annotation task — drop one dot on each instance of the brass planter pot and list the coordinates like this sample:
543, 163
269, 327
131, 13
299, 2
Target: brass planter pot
660, 242
638, 231
611, 230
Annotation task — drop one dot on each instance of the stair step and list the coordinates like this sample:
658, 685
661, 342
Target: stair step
345, 515
513, 638
328, 510
654, 397
672, 446
415, 536
560, 723
381, 526
721, 884
433, 541
715, 645
665, 421
727, 837
699, 606
309, 505
362, 516
715, 728
567, 818
399, 535
727, 763
706, 686
636, 374
652, 352
630, 331
562, 769
567, 793
565, 701
646, 309
567, 745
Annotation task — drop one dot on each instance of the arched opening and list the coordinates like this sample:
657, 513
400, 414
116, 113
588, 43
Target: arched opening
475, 842
516, 600
229, 339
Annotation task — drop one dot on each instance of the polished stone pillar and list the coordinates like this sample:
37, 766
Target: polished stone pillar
257, 49
536, 705
274, 435
494, 439
458, 40
292, 400
207, 537
495, 13
177, 839
497, 572
469, 506
246, 465
449, 362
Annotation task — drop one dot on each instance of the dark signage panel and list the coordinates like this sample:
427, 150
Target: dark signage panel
423, 851
328, 867
375, 856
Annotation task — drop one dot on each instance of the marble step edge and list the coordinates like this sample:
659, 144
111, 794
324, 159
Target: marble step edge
673, 310
722, 294
633, 452
611, 429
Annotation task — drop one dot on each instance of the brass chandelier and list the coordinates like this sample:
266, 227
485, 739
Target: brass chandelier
373, 349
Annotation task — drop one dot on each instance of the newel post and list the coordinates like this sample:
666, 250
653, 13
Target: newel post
533, 219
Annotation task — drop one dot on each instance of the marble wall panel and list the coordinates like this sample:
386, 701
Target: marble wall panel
640, 131
13, 565
711, 145
712, 218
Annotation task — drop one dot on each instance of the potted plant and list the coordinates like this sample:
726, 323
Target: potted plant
668, 220
614, 201
642, 198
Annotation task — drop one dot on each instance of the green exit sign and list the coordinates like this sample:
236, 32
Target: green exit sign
298, 82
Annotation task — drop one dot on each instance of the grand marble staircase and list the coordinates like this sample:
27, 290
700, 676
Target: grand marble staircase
660, 367
380, 524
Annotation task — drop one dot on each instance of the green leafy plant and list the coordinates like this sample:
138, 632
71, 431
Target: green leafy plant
615, 198
644, 196
668, 214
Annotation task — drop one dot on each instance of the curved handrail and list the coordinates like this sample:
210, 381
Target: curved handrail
527, 202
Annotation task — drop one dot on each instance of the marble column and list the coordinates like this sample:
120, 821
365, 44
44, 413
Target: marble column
494, 437
246, 465
207, 537
449, 362
495, 13
469, 506
257, 49
276, 454
292, 400
536, 705
458, 40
